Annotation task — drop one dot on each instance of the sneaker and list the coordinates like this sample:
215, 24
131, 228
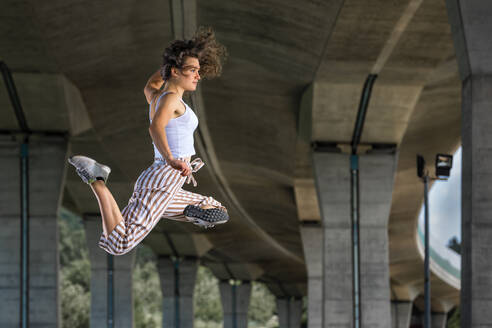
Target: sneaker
206, 218
202, 224
88, 169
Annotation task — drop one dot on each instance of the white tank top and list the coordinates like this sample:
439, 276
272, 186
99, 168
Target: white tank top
179, 132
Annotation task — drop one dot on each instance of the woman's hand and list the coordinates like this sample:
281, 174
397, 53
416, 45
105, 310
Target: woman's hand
153, 86
180, 166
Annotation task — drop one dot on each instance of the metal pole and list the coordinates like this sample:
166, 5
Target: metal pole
24, 297
234, 302
289, 301
110, 291
427, 319
176, 293
354, 175
24, 219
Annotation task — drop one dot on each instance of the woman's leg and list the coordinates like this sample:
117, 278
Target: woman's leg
110, 212
184, 198
96, 175
154, 191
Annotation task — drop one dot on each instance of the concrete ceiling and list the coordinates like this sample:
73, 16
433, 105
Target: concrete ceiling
80, 66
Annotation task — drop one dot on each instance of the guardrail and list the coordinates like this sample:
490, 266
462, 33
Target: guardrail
444, 262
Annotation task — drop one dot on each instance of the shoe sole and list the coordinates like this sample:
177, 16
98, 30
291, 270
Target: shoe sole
210, 215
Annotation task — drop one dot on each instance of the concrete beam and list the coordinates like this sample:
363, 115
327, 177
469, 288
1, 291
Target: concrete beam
184, 13
471, 36
388, 114
236, 271
287, 290
78, 116
49, 101
188, 244
306, 200
405, 293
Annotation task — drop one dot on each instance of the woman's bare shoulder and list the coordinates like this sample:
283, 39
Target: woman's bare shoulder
169, 99
169, 102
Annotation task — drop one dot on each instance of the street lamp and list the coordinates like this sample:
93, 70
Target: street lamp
444, 163
443, 166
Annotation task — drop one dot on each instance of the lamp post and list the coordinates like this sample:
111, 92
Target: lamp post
443, 167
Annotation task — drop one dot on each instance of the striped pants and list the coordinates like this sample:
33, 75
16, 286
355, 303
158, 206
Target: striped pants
158, 193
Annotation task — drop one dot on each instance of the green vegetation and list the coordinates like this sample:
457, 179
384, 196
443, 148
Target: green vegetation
75, 287
454, 320
206, 301
455, 244
262, 307
147, 296
75, 272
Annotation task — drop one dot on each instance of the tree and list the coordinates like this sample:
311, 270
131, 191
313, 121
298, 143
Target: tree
75, 293
262, 307
455, 245
147, 296
206, 301
75, 272
454, 319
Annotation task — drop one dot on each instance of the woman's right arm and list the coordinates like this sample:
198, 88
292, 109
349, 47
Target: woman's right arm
157, 129
153, 86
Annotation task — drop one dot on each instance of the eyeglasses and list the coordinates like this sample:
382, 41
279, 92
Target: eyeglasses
191, 68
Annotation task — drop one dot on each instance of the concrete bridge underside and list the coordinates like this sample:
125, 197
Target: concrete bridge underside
294, 76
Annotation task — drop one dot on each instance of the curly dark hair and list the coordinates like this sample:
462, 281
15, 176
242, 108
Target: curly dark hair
203, 46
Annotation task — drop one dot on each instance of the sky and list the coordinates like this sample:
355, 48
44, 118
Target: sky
445, 205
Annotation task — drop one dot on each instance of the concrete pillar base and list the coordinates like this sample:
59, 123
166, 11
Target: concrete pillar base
312, 240
471, 35
46, 178
289, 312
401, 314
122, 296
235, 297
177, 278
328, 248
439, 320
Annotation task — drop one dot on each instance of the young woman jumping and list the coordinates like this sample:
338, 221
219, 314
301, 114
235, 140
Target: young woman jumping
158, 190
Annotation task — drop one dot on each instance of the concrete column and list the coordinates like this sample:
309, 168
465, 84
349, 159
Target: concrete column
177, 278
377, 173
376, 177
289, 312
46, 180
235, 303
122, 280
332, 177
401, 314
472, 39
312, 240
439, 320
